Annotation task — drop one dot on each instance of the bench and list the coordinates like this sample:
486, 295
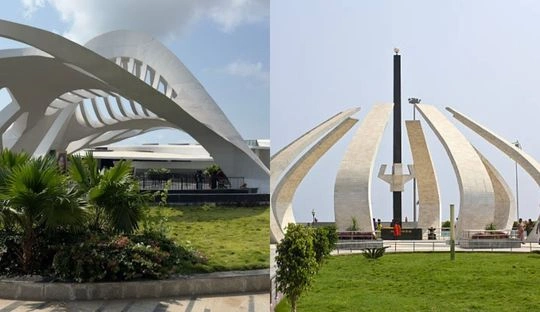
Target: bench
356, 235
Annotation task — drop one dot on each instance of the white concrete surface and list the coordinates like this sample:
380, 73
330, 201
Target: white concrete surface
352, 190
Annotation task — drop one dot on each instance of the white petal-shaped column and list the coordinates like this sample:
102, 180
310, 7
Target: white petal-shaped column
282, 196
527, 162
352, 197
429, 207
285, 157
505, 209
477, 205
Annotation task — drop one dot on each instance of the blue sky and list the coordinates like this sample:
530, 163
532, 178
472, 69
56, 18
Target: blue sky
478, 57
225, 44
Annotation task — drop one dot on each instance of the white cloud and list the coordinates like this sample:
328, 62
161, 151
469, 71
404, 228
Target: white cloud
30, 6
246, 69
230, 14
162, 18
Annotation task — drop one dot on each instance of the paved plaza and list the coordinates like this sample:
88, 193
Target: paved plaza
233, 303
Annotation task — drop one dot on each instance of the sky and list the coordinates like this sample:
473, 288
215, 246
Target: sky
224, 43
478, 57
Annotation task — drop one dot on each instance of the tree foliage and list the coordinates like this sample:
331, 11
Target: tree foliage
324, 241
113, 194
34, 193
296, 263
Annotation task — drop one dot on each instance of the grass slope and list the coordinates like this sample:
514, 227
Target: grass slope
426, 282
233, 238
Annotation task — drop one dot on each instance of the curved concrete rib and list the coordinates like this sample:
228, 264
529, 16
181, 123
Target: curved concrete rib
528, 163
505, 209
282, 196
352, 197
429, 207
284, 157
476, 208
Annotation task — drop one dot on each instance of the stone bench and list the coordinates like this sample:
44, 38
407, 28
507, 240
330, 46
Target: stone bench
356, 235
359, 245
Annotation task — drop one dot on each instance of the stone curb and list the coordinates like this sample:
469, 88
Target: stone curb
218, 283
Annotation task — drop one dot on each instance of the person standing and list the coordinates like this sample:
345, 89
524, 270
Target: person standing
521, 231
397, 230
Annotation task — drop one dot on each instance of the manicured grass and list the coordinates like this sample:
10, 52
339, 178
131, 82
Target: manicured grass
233, 238
426, 282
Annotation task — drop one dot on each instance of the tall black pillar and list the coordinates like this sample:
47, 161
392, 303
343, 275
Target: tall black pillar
397, 131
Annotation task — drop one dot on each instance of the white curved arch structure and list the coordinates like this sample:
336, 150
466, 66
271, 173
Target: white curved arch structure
69, 97
283, 194
527, 162
352, 197
505, 208
429, 207
475, 188
285, 157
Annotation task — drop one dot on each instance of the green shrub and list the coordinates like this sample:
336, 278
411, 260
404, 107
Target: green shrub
148, 255
324, 241
10, 253
47, 243
159, 174
374, 253
446, 224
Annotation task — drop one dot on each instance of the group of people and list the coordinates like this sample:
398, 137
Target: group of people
396, 228
525, 226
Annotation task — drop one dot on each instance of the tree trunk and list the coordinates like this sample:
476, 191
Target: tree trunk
27, 243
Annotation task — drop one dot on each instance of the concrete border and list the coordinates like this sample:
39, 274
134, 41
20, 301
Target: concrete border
218, 283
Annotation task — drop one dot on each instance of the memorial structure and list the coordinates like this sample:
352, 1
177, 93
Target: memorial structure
485, 198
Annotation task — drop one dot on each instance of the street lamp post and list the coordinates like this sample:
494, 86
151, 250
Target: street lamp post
517, 145
414, 101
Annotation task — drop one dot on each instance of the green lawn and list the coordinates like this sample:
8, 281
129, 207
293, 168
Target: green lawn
233, 238
426, 282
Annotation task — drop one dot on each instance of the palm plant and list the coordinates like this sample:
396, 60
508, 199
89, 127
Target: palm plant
113, 195
8, 161
34, 193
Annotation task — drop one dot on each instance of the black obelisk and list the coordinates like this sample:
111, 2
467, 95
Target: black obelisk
397, 130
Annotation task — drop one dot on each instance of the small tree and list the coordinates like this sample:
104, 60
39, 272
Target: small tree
324, 241
296, 263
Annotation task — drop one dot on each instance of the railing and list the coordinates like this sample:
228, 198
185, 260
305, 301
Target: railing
428, 246
183, 182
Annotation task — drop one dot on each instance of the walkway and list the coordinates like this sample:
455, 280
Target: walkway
233, 303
